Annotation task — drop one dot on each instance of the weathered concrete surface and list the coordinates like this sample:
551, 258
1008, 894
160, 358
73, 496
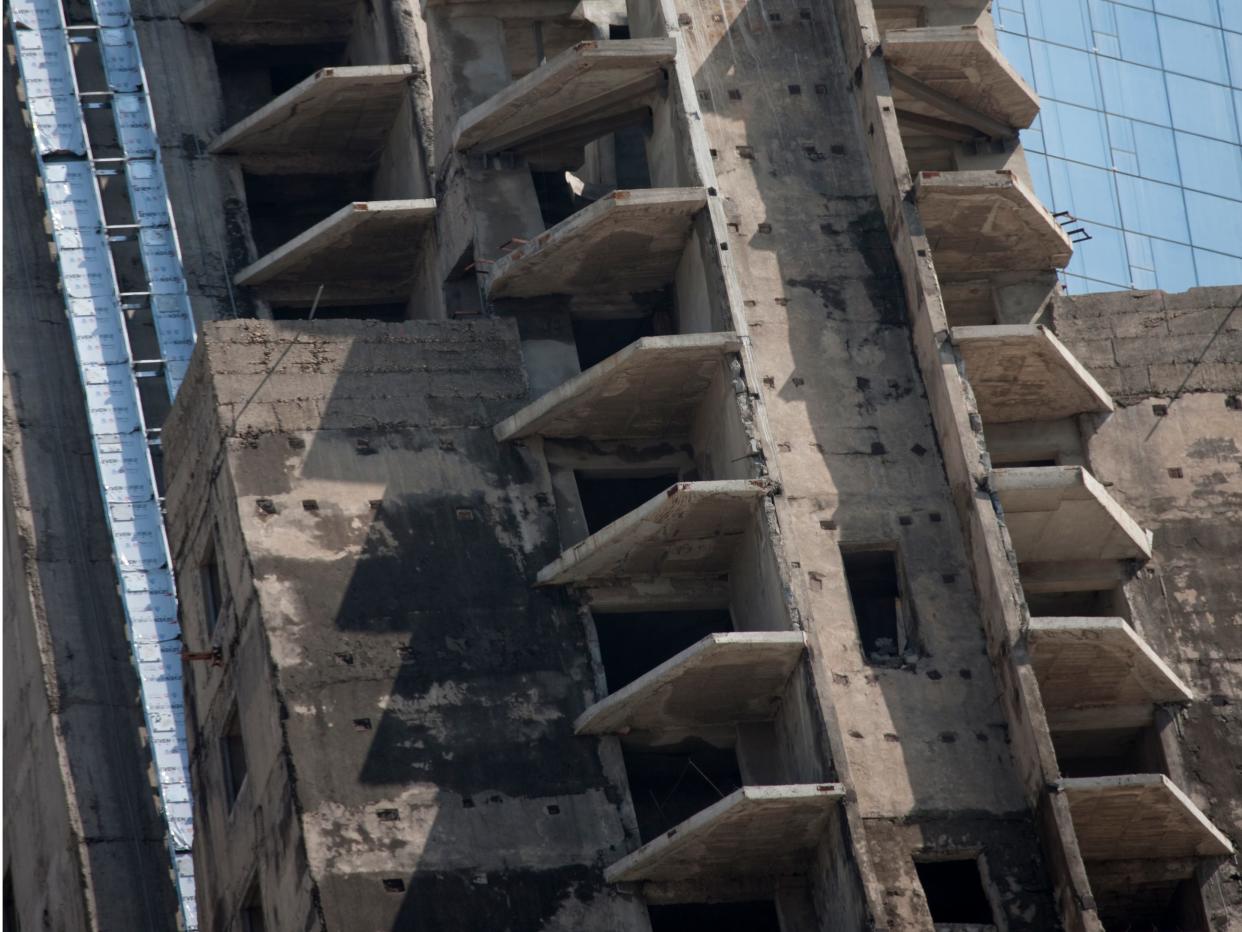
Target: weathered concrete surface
338, 118
272, 22
692, 529
981, 222
406, 699
723, 679
1062, 514
652, 388
84, 845
1024, 373
964, 63
627, 243
588, 83
1140, 815
755, 831
364, 253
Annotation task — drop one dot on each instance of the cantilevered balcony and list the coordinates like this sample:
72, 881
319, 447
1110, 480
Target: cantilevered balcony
1140, 816
363, 254
1097, 674
583, 93
652, 388
609, 254
337, 120
985, 222
273, 22
1063, 514
725, 679
1024, 373
756, 831
692, 529
956, 74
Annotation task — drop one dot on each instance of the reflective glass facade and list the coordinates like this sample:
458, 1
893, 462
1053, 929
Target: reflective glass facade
1139, 133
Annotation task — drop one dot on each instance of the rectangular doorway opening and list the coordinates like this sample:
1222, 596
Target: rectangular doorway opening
1084, 603
284, 206
233, 754
669, 785
954, 891
874, 582
598, 338
1109, 752
254, 75
753, 916
605, 498
633, 643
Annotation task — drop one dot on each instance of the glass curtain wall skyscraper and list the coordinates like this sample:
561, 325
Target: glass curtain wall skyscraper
1139, 135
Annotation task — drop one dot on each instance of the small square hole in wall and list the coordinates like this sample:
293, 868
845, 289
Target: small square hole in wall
954, 891
1175, 472
1159, 410
394, 885
735, 95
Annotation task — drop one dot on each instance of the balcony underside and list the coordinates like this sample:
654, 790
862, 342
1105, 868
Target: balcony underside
963, 65
757, 831
584, 86
1098, 673
364, 253
337, 120
627, 243
1139, 816
724, 679
652, 388
690, 530
1024, 373
1061, 513
273, 22
986, 222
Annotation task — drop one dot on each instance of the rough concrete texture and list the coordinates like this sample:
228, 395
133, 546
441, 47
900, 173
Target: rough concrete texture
84, 845
406, 699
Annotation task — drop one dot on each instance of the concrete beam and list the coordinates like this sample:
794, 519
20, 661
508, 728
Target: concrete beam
1139, 816
626, 243
691, 529
652, 388
364, 253
1021, 372
754, 831
965, 65
984, 222
584, 83
337, 119
273, 22
1084, 663
724, 679
1062, 513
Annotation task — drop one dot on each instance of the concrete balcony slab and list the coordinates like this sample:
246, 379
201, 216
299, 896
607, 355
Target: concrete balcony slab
963, 64
585, 84
362, 254
757, 831
984, 222
1098, 672
273, 22
626, 243
691, 529
1021, 372
1139, 816
1062, 513
338, 119
724, 679
652, 388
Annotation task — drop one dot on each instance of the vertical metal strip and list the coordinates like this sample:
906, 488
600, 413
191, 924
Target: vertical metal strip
93, 301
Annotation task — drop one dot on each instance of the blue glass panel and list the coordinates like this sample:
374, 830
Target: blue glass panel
1215, 222
1231, 15
1075, 133
1201, 11
1215, 269
1233, 48
1139, 40
1175, 268
1065, 74
1192, 49
1039, 177
1210, 165
1077, 284
1060, 21
1203, 108
1103, 16
1157, 153
1018, 50
1139, 248
1143, 278
1152, 208
1084, 190
1102, 257
1133, 91
1010, 21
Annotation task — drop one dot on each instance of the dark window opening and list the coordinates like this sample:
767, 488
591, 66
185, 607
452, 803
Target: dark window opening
284, 206
755, 916
606, 498
1024, 464
461, 288
954, 891
233, 752
1087, 603
619, 31
252, 910
632, 643
875, 593
393, 313
1109, 752
1160, 906
253, 75
670, 785
598, 339
11, 922
212, 583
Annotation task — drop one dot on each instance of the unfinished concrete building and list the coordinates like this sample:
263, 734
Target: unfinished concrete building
692, 507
